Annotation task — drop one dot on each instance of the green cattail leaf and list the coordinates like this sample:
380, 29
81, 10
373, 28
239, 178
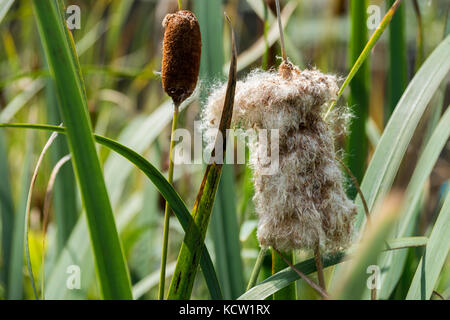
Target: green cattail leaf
59, 48
433, 259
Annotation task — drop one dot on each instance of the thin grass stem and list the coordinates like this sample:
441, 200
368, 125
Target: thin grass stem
319, 267
47, 203
28, 211
358, 188
167, 211
256, 268
280, 26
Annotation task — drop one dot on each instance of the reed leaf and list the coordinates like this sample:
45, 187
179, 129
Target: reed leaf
58, 45
434, 257
365, 53
392, 263
65, 193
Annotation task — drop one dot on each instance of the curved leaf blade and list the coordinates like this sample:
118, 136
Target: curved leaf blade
430, 265
160, 182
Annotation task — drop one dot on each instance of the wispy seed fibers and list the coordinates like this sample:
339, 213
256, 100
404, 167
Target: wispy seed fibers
304, 203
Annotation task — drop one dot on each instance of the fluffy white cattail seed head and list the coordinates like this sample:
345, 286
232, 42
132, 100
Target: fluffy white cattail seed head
304, 202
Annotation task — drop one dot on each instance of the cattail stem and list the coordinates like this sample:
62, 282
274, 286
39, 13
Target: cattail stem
162, 277
256, 268
179, 5
265, 60
373, 294
279, 263
357, 187
280, 26
319, 267
321, 291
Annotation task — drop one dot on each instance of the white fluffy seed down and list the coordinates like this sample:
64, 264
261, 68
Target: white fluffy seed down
303, 204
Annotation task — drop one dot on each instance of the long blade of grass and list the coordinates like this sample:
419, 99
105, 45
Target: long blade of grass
433, 259
110, 265
407, 242
359, 99
163, 186
365, 53
191, 248
392, 263
65, 196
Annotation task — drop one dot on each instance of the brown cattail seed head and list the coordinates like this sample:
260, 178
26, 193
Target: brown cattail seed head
303, 203
181, 55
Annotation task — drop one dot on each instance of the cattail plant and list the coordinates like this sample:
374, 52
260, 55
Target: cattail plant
181, 55
179, 74
303, 205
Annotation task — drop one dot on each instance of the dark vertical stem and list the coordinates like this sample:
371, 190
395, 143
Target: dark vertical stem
319, 267
278, 264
